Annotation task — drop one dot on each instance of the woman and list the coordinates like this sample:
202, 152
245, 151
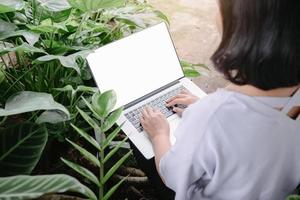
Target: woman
241, 142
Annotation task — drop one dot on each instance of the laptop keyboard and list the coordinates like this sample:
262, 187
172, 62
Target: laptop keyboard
158, 103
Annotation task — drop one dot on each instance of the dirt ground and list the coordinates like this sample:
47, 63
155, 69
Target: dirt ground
194, 31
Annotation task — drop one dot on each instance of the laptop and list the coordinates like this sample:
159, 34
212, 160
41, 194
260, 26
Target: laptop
143, 69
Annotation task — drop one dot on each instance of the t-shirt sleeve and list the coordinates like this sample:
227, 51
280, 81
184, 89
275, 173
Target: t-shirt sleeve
189, 163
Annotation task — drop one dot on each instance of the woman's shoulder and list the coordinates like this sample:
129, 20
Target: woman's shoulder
227, 108
224, 101
226, 113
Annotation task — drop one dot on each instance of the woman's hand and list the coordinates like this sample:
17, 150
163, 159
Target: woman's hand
155, 124
184, 98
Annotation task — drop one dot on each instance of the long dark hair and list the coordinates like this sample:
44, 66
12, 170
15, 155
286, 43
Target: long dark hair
260, 44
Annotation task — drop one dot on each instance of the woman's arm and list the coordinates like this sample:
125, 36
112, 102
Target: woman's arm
157, 126
158, 129
161, 146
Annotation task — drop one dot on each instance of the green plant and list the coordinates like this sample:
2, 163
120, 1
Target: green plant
44, 43
101, 121
32, 187
293, 197
21, 147
25, 140
192, 70
43, 75
45, 83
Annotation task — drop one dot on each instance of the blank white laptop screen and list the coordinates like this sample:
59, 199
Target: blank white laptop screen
136, 65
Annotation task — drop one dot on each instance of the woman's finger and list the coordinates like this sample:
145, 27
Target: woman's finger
155, 110
183, 101
149, 110
145, 113
185, 92
171, 99
179, 111
142, 119
176, 97
143, 122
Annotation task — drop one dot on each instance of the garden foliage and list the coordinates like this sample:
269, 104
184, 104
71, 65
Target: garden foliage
45, 85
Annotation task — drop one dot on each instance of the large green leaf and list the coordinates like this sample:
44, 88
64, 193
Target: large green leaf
87, 118
94, 5
52, 117
104, 103
27, 101
293, 197
57, 47
11, 5
7, 27
48, 26
191, 73
30, 37
80, 88
85, 153
66, 61
82, 171
32, 187
55, 5
20, 18
83, 88
111, 119
137, 16
22, 48
58, 16
87, 137
20, 148
91, 108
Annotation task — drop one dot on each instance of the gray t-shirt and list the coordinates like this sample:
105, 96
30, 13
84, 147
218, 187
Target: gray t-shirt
232, 146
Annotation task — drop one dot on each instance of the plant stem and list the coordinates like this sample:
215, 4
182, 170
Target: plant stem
111, 31
79, 27
101, 189
33, 11
17, 80
19, 54
84, 18
33, 115
12, 79
72, 99
98, 15
52, 34
40, 17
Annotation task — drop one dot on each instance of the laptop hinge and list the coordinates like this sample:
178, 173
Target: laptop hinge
150, 94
